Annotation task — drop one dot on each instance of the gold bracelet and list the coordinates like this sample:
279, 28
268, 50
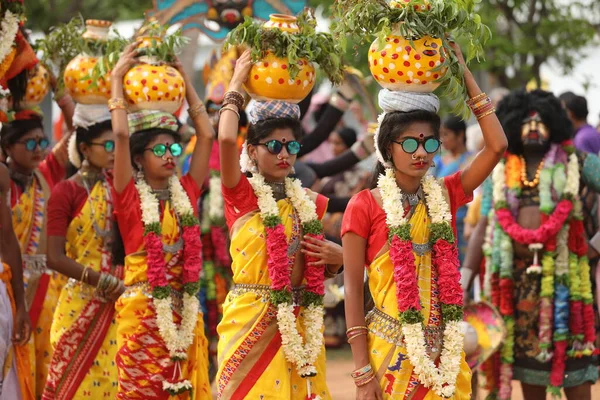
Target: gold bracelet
357, 335
475, 99
355, 328
230, 109
235, 98
84, 274
117, 104
479, 117
365, 381
328, 273
196, 110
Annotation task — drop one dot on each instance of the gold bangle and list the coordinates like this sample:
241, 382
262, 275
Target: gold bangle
84, 274
364, 382
357, 335
475, 99
235, 98
117, 104
355, 328
328, 273
230, 109
479, 117
196, 110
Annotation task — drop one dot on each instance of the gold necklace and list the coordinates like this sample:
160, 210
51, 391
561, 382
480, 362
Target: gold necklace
536, 180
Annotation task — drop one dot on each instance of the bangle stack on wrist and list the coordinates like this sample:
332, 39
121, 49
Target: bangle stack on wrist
84, 275
117, 104
481, 105
234, 98
356, 331
107, 284
196, 110
328, 273
363, 375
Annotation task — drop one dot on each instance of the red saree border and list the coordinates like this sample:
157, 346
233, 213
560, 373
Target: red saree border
232, 364
38, 300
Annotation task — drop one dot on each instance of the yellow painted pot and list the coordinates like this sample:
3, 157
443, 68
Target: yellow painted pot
396, 65
270, 78
153, 85
38, 86
77, 74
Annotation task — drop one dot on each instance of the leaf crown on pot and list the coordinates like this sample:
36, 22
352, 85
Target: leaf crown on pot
317, 47
361, 20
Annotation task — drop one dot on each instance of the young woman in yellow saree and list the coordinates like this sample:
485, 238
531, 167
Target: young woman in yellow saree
410, 344
80, 211
162, 349
33, 175
270, 336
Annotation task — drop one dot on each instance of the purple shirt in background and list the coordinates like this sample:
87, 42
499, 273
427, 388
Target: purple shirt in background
587, 139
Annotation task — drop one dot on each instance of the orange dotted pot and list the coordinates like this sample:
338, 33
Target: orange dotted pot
154, 87
396, 65
38, 85
270, 80
80, 86
77, 74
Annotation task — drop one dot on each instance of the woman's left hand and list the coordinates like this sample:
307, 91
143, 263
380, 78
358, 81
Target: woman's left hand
328, 252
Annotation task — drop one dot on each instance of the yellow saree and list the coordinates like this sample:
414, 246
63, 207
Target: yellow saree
42, 286
251, 362
387, 353
83, 333
143, 360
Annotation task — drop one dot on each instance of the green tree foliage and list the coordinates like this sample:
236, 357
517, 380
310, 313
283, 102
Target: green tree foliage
525, 35
43, 14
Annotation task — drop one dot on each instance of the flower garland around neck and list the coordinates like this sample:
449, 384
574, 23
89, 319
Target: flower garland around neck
303, 356
442, 379
565, 292
8, 31
177, 340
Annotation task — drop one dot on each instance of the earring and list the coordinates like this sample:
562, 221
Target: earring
254, 168
139, 175
432, 164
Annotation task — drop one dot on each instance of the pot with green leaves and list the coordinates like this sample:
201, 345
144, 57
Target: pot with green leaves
284, 51
408, 65
153, 84
77, 76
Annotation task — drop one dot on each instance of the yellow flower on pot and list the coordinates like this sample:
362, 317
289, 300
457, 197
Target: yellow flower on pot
397, 65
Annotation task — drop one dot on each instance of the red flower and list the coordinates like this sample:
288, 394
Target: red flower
577, 243
315, 274
558, 363
405, 275
506, 297
445, 260
576, 317
192, 254
278, 262
219, 240
156, 262
588, 323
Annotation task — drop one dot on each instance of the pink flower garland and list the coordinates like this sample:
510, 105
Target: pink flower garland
405, 276
445, 260
279, 270
192, 254
540, 235
314, 274
217, 235
156, 261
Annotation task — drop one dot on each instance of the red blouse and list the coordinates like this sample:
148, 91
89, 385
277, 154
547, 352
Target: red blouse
129, 213
240, 200
52, 171
66, 201
367, 219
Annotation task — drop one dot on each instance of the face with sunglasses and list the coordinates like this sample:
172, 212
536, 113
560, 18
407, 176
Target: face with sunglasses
275, 154
413, 151
160, 157
29, 150
100, 151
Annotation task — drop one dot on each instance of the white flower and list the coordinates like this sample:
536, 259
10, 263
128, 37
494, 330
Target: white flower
499, 181
180, 198
391, 198
561, 264
245, 161
534, 269
304, 206
148, 203
4, 93
375, 139
266, 201
215, 202
8, 32
573, 176
439, 209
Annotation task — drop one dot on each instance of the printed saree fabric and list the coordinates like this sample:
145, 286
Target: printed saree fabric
252, 364
84, 329
142, 359
42, 287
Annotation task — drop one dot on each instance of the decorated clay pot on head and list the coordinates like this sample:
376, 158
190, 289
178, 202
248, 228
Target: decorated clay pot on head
78, 72
397, 65
38, 85
153, 85
270, 77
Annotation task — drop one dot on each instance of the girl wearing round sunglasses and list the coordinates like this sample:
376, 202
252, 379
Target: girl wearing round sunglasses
254, 310
404, 231
80, 220
34, 171
156, 214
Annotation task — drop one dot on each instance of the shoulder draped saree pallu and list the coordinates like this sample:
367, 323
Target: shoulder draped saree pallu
14, 360
252, 364
84, 331
42, 286
387, 352
143, 360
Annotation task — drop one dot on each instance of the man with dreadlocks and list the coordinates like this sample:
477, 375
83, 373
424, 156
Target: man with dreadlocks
537, 269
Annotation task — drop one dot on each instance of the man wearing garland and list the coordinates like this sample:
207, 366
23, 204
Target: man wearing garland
536, 253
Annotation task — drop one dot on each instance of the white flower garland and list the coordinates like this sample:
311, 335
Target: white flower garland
215, 202
441, 380
303, 356
8, 32
176, 340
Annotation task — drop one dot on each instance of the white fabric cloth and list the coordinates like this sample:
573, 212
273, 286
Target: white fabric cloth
10, 389
86, 115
